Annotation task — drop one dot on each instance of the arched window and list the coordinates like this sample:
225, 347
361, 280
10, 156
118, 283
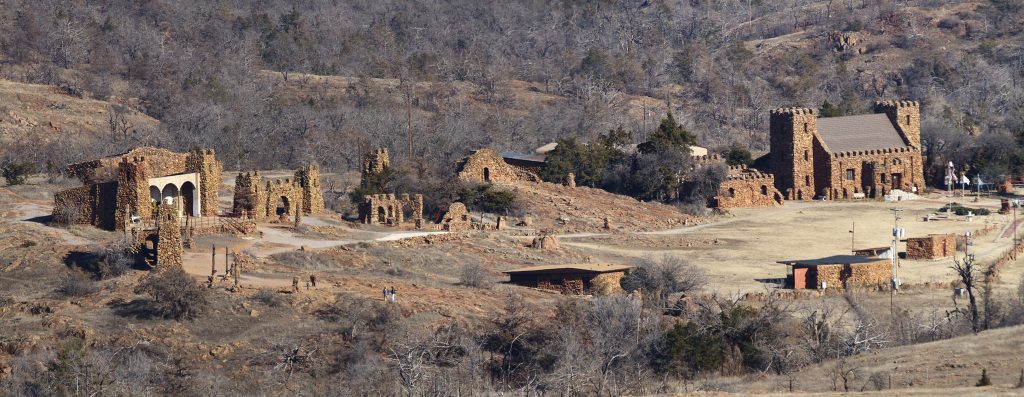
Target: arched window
487, 174
807, 180
732, 192
764, 190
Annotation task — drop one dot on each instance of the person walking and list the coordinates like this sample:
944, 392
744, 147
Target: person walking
392, 294
295, 284
312, 280
385, 294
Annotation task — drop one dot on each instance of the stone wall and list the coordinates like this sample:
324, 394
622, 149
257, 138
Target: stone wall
161, 162
487, 166
375, 162
132, 192
607, 283
747, 187
932, 246
906, 116
858, 274
308, 178
874, 172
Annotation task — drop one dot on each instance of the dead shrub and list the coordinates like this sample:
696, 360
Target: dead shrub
76, 284
174, 295
270, 298
473, 275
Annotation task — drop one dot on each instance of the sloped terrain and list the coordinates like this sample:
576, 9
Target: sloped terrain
44, 113
583, 209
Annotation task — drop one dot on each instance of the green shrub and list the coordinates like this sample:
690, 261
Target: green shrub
984, 381
17, 172
485, 198
962, 210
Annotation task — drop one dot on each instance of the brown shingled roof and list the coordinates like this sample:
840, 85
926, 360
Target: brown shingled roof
860, 132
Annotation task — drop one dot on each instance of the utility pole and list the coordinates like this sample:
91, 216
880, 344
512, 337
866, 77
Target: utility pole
897, 232
853, 237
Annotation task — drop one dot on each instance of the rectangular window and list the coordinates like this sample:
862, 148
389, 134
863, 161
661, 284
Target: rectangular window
807, 180
806, 156
850, 174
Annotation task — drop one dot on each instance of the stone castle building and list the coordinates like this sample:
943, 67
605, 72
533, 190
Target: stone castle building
844, 157
747, 187
120, 188
487, 166
278, 198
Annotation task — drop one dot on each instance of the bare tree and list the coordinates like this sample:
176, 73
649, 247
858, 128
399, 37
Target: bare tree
966, 272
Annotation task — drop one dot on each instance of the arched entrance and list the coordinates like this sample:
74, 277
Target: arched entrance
381, 215
169, 190
282, 206
487, 174
188, 199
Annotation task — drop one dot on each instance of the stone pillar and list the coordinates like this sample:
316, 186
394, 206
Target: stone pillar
168, 245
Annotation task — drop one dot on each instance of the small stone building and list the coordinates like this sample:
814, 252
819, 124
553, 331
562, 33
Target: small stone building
278, 198
574, 279
389, 209
839, 157
487, 166
747, 187
839, 271
127, 186
456, 218
932, 246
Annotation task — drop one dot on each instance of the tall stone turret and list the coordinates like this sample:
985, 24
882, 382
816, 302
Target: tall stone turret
374, 163
792, 151
906, 116
205, 163
248, 193
308, 177
132, 193
168, 245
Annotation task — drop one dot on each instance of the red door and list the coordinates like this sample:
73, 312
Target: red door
799, 278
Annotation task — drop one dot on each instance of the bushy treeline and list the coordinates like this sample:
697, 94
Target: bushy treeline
661, 168
212, 74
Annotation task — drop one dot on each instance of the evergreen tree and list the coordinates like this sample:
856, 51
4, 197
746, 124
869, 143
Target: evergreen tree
670, 135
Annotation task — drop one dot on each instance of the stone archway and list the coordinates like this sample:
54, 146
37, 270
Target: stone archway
188, 199
169, 190
381, 215
282, 206
487, 174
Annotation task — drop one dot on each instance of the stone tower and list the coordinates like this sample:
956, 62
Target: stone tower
375, 162
168, 243
132, 192
248, 195
308, 178
906, 116
792, 151
205, 163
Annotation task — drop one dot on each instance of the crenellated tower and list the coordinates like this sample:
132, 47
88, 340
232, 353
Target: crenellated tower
792, 151
308, 177
906, 116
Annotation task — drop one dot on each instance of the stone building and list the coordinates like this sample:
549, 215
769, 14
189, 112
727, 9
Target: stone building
278, 198
486, 166
932, 246
747, 187
839, 271
119, 189
843, 157
574, 279
374, 163
389, 209
456, 218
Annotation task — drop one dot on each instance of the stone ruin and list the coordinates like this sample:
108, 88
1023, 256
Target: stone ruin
389, 209
932, 246
168, 238
278, 199
545, 242
456, 218
487, 166
128, 187
747, 187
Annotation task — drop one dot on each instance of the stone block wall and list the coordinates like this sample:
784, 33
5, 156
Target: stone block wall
487, 166
858, 274
932, 246
873, 172
161, 162
607, 283
747, 187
